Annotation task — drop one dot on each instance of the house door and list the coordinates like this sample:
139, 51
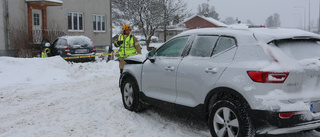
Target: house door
37, 25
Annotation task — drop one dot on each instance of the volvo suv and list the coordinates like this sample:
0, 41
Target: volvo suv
243, 82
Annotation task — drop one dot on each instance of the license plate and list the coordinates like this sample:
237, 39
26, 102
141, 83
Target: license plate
81, 51
315, 107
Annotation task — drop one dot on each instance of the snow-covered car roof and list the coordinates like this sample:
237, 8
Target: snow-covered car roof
266, 35
254, 35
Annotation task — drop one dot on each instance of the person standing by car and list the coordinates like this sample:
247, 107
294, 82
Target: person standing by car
46, 51
129, 45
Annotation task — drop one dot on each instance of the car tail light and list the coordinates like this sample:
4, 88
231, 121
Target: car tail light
268, 77
94, 49
284, 115
67, 49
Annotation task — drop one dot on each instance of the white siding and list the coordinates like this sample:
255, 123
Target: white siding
58, 18
2, 26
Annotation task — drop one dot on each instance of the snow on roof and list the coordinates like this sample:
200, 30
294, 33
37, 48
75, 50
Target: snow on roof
55, 1
210, 19
214, 21
252, 35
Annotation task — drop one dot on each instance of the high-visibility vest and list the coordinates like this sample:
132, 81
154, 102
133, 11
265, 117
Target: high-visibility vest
127, 48
45, 52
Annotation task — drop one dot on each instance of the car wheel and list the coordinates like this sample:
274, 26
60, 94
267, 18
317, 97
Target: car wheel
229, 119
130, 95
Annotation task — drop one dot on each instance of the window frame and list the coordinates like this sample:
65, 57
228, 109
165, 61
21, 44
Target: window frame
79, 23
36, 19
102, 23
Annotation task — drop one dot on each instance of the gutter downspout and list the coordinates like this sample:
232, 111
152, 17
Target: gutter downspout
110, 15
6, 26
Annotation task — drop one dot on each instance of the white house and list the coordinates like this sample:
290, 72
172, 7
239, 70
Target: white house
52, 18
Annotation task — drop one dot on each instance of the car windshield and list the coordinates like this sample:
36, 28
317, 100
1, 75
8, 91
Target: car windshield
300, 49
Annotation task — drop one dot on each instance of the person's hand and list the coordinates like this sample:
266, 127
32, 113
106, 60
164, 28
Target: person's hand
119, 42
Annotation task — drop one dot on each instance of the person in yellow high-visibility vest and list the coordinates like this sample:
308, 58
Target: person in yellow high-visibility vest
46, 51
129, 45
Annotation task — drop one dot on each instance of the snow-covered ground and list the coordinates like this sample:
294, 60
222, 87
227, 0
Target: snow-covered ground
48, 97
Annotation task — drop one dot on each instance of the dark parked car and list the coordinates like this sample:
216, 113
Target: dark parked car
73, 46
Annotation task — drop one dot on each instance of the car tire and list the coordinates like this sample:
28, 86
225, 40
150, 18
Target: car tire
229, 118
130, 95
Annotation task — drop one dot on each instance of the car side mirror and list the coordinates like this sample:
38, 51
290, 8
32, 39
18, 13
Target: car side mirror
151, 56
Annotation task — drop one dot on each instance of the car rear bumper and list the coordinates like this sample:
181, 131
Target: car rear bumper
79, 57
269, 122
297, 128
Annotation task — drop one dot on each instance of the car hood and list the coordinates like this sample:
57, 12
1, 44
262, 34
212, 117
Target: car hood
137, 59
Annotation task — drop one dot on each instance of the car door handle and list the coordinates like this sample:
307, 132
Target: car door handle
211, 70
170, 68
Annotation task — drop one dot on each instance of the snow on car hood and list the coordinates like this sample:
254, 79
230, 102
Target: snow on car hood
136, 59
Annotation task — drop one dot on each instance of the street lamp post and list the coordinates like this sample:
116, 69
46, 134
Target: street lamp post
319, 19
304, 22
309, 16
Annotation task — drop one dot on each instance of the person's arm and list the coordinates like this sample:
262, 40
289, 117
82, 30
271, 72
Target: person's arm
118, 43
137, 45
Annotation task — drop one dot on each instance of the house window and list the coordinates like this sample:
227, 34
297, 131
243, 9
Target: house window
36, 19
75, 21
99, 23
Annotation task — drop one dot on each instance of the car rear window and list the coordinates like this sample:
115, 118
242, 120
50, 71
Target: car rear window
75, 42
300, 49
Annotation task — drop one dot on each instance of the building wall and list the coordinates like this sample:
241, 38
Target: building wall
17, 11
198, 22
2, 26
57, 18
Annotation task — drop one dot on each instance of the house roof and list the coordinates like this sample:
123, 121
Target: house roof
46, 2
209, 19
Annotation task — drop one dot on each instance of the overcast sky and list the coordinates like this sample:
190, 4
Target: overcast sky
292, 12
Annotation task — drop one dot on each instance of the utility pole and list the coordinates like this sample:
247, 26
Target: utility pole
304, 22
7, 27
309, 16
319, 19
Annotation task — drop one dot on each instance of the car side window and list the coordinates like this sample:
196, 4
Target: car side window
203, 46
173, 48
223, 44
63, 42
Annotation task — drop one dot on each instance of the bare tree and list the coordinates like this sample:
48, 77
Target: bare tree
211, 12
148, 15
173, 10
230, 20
19, 40
249, 22
54, 32
273, 20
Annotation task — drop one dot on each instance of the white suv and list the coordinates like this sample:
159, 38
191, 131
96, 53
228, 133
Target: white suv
242, 81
